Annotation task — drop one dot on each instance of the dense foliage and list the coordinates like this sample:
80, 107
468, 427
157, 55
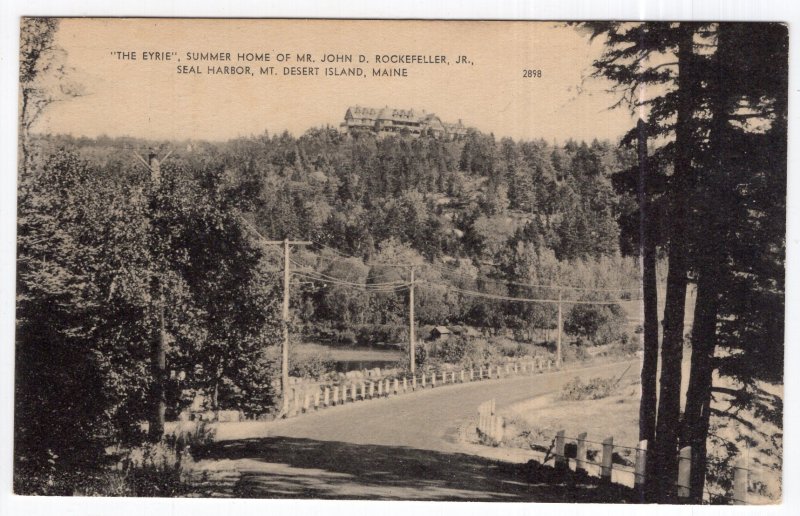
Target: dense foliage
95, 230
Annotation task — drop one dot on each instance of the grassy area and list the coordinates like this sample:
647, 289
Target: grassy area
538, 420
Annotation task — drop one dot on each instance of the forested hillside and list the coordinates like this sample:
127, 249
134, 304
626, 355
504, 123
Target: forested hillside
476, 210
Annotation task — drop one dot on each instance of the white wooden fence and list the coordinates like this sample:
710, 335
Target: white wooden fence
491, 425
304, 401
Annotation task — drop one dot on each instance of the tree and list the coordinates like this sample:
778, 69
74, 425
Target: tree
716, 121
629, 61
89, 243
43, 75
600, 324
744, 166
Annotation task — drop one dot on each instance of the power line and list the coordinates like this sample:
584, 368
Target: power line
450, 270
337, 281
498, 297
504, 282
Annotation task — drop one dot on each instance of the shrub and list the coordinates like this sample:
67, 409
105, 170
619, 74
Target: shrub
575, 352
151, 470
464, 351
628, 345
371, 334
600, 324
595, 389
312, 365
515, 350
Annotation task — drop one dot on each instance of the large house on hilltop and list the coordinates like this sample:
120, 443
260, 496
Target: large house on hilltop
386, 121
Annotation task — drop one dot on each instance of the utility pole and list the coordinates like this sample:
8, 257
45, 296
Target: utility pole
412, 332
285, 316
158, 346
560, 326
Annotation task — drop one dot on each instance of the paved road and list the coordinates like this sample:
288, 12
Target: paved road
401, 448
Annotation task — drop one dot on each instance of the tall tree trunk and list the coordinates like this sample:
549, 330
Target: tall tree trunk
698, 397
647, 250
711, 251
664, 453
158, 366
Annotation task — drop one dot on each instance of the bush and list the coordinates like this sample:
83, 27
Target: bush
151, 470
464, 351
515, 350
575, 352
311, 365
600, 324
595, 389
628, 345
371, 334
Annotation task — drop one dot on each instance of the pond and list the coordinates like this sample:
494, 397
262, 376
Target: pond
356, 358
345, 366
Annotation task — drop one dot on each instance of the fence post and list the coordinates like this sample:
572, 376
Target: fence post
295, 401
363, 391
608, 456
327, 397
508, 369
433, 379
380, 388
335, 396
371, 390
405, 384
396, 386
641, 464
471, 374
353, 392
316, 400
684, 472
549, 364
344, 394
740, 481
516, 367
453, 377
444, 377
580, 453
498, 428
560, 460
423, 380
462, 376
414, 383
386, 387
306, 402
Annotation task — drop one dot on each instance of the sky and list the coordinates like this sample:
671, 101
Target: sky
150, 99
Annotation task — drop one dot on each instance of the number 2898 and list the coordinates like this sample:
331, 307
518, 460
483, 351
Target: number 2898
531, 74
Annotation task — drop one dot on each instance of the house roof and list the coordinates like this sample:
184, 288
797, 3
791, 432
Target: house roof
359, 116
442, 329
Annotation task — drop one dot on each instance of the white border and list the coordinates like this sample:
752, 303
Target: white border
11, 10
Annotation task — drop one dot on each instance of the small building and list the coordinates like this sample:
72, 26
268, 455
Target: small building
440, 333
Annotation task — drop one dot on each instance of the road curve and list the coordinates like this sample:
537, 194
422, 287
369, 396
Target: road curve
401, 448
425, 419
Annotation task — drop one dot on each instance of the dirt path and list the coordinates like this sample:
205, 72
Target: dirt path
404, 448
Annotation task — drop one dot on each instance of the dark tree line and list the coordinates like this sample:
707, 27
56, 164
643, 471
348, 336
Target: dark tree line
713, 191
